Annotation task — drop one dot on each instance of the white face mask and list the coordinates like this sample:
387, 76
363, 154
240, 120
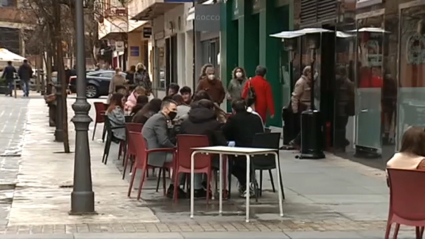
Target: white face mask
238, 74
211, 77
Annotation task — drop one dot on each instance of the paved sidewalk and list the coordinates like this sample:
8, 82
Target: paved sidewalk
334, 196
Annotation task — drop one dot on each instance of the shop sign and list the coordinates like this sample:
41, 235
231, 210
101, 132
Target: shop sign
147, 32
119, 46
367, 3
134, 51
207, 17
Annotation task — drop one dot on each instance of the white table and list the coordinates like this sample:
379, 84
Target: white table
237, 151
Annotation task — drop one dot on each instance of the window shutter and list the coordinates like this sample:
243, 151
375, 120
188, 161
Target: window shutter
317, 10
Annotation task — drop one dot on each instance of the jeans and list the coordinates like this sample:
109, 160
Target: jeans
25, 87
10, 85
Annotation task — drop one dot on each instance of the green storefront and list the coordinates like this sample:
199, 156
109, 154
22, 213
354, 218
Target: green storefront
245, 42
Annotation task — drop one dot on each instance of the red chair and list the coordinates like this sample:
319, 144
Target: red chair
142, 156
131, 151
183, 159
407, 200
100, 116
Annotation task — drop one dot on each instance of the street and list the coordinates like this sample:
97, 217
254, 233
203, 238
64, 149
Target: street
329, 198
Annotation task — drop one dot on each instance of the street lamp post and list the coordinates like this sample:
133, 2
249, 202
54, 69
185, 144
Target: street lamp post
82, 196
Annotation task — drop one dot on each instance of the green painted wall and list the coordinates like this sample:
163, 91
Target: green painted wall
245, 42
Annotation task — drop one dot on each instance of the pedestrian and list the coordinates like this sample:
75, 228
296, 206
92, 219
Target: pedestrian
9, 74
141, 78
237, 84
211, 84
117, 81
130, 75
25, 74
301, 100
259, 90
173, 89
186, 93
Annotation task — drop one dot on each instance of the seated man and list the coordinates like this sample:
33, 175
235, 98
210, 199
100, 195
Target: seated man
241, 128
155, 132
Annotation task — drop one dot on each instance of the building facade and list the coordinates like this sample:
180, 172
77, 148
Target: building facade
245, 42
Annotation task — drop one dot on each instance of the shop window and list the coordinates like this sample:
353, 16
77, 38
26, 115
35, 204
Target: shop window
161, 73
411, 101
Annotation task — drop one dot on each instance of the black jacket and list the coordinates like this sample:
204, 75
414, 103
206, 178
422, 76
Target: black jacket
25, 72
8, 72
203, 121
242, 127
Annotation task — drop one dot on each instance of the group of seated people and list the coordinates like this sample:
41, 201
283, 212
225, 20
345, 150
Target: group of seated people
185, 113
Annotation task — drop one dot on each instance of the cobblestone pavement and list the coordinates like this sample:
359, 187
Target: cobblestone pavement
13, 114
330, 195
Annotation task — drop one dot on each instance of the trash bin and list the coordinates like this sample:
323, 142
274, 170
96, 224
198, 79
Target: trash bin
311, 135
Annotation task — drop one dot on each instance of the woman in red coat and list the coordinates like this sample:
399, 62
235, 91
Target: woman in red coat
263, 93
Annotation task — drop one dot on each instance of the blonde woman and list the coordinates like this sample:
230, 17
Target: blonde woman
141, 78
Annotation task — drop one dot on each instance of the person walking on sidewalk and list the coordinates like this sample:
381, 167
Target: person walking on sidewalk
141, 78
211, 84
262, 91
237, 84
25, 74
9, 74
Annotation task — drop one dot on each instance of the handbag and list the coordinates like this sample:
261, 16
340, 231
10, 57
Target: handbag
251, 94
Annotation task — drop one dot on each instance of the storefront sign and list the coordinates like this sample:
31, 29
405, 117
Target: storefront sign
366, 3
207, 18
147, 32
119, 46
134, 51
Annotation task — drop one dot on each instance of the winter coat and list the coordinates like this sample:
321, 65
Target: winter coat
214, 88
301, 96
141, 78
25, 72
263, 96
203, 121
242, 127
235, 88
117, 80
8, 73
117, 119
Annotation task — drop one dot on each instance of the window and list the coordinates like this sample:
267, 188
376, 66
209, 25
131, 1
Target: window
8, 3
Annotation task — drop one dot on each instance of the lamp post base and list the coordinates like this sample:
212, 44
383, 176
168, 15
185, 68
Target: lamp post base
82, 203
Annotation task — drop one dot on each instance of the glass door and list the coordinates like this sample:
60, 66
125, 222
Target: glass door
370, 55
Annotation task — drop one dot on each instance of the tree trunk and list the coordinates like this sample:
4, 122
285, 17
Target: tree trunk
61, 75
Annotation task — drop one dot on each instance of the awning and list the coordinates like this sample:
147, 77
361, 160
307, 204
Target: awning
6, 55
305, 31
191, 13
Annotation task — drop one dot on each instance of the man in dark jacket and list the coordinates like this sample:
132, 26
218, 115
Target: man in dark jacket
241, 128
25, 74
9, 74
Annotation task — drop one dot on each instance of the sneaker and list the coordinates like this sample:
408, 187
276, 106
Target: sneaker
244, 194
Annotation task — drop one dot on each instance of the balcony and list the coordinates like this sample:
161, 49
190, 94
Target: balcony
150, 9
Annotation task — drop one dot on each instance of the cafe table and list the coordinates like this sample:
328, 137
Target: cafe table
237, 151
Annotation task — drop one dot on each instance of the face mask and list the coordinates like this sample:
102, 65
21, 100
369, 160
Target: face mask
172, 115
211, 77
238, 74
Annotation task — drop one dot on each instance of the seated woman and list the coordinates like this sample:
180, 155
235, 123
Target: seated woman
132, 98
142, 100
182, 108
241, 128
116, 116
151, 108
412, 152
220, 114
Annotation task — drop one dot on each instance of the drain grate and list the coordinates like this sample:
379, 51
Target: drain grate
66, 186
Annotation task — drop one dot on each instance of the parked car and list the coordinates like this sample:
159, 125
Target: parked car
97, 83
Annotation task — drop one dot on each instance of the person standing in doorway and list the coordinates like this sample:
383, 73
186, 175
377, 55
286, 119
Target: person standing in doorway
25, 74
211, 84
9, 74
261, 89
237, 84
